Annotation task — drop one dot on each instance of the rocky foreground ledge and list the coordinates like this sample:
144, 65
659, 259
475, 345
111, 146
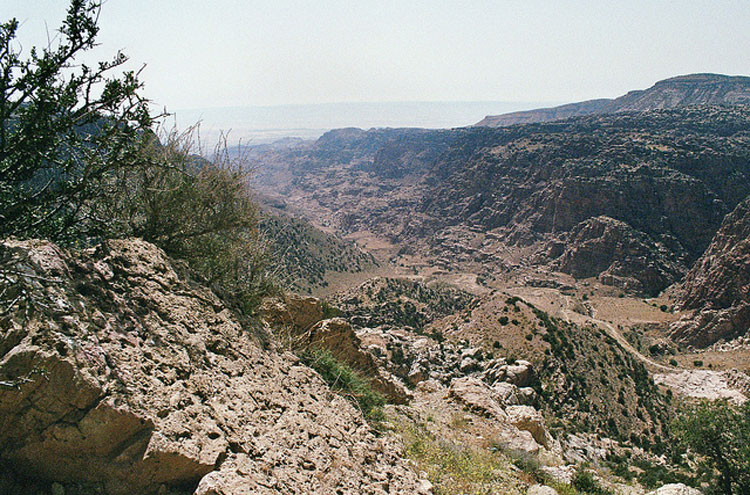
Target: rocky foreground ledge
120, 376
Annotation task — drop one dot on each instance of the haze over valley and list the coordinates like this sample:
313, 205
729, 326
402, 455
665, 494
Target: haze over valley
262, 125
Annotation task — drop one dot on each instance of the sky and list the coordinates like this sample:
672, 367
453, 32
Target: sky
226, 53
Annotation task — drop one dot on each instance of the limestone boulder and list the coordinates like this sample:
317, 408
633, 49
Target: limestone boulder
541, 490
477, 396
123, 377
675, 489
529, 419
292, 310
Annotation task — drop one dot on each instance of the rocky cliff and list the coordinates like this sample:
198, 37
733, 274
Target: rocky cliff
120, 375
670, 175
618, 255
718, 285
692, 89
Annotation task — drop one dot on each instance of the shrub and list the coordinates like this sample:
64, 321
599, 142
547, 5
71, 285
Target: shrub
720, 434
197, 210
79, 163
653, 475
329, 311
65, 127
585, 482
344, 379
454, 468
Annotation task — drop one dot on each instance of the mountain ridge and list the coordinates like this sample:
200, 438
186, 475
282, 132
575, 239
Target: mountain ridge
678, 91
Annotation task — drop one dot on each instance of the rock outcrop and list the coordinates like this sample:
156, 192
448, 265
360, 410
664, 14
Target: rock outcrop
338, 336
693, 89
520, 428
675, 489
733, 384
717, 287
121, 375
618, 255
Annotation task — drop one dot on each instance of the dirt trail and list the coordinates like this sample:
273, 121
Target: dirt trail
615, 334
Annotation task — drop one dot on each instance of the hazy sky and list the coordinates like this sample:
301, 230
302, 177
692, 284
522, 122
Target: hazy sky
203, 53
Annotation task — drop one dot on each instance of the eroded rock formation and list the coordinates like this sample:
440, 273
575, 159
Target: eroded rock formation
718, 286
120, 374
692, 89
618, 255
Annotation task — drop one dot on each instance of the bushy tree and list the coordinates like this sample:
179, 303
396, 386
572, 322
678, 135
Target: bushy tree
63, 128
79, 162
198, 210
719, 434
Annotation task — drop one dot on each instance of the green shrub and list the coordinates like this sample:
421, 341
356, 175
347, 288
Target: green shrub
720, 434
340, 377
563, 488
453, 468
65, 128
81, 163
652, 475
585, 482
198, 211
329, 311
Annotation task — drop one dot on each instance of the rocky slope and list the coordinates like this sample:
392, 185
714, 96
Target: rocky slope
585, 379
400, 302
306, 257
693, 89
576, 374
717, 287
120, 375
618, 255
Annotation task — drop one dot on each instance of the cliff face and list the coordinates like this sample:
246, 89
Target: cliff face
718, 285
693, 89
671, 174
619, 255
120, 375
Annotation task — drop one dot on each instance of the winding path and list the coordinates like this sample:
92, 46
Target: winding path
615, 334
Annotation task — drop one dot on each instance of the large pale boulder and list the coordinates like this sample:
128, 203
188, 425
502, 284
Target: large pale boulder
541, 490
507, 394
294, 311
520, 373
529, 419
517, 441
675, 489
477, 396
